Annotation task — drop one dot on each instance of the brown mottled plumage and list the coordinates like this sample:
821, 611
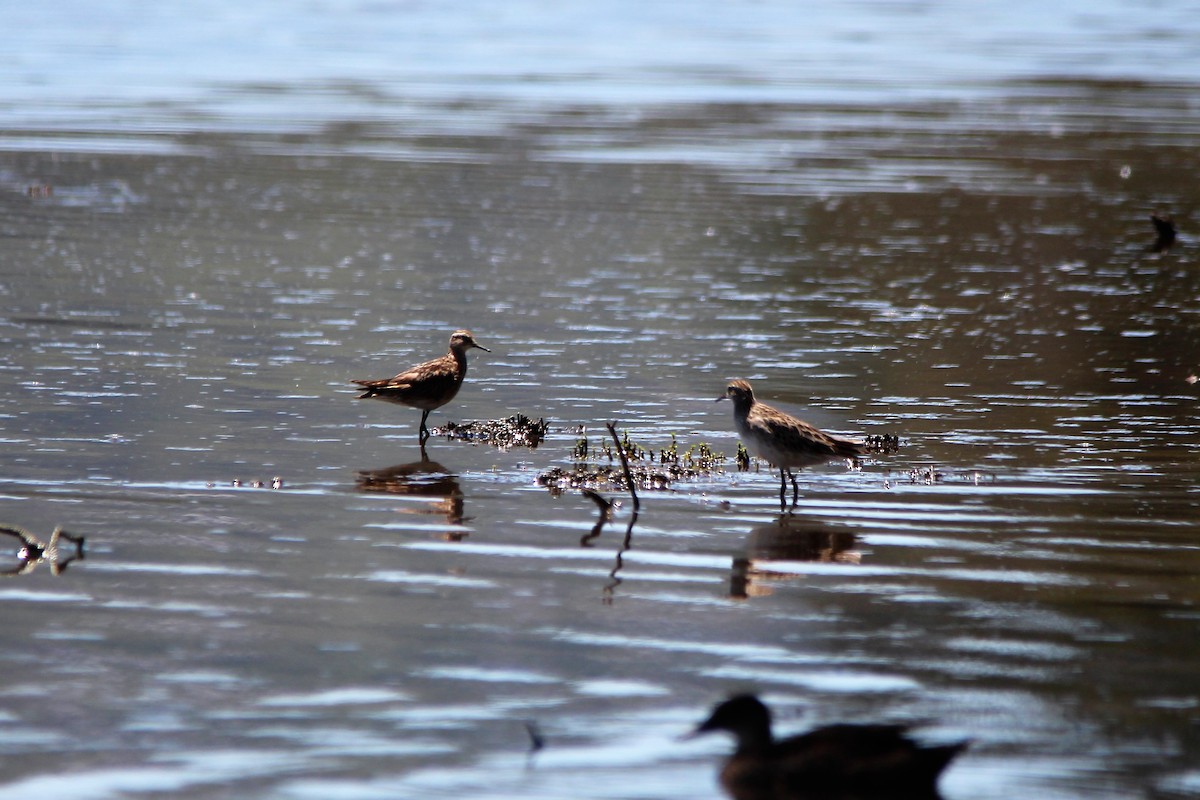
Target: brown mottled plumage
782, 440
836, 762
429, 385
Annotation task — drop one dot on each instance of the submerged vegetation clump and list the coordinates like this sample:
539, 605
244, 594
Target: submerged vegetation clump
882, 443
597, 466
515, 431
742, 459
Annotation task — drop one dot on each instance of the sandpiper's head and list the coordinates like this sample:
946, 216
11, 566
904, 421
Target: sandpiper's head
744, 716
739, 392
462, 340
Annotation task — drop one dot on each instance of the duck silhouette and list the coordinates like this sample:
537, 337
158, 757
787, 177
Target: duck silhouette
836, 762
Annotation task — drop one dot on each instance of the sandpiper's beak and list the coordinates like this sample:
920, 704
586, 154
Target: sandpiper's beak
722, 397
481, 347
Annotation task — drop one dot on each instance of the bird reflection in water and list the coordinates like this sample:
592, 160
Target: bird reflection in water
426, 480
33, 551
770, 547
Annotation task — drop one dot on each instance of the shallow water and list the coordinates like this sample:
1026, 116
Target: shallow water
970, 269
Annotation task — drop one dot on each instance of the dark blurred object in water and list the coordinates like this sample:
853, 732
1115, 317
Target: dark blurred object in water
837, 761
34, 551
1164, 226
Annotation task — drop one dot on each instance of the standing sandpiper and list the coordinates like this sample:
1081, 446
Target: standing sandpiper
429, 385
781, 439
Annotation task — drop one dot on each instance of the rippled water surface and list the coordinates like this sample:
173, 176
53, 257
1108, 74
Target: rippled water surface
949, 245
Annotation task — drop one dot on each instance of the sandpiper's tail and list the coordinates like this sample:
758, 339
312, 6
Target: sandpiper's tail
848, 448
370, 388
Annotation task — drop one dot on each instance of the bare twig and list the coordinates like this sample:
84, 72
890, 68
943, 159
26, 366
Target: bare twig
612, 429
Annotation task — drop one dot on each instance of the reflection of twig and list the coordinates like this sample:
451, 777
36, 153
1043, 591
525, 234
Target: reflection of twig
605, 515
612, 429
626, 544
605, 506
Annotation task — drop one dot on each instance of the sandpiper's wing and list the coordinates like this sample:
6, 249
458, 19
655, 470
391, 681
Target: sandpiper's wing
433, 379
797, 435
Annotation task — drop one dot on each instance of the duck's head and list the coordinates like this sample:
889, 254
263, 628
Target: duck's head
744, 716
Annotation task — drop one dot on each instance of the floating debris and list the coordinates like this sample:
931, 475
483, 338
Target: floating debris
930, 475
238, 483
650, 470
515, 431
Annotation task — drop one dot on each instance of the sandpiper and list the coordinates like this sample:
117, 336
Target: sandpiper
429, 385
836, 761
782, 440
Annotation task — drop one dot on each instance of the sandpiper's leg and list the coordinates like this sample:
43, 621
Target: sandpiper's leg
795, 489
782, 489
423, 435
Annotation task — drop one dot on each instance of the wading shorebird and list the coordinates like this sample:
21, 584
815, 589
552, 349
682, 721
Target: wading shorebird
829, 763
782, 440
429, 385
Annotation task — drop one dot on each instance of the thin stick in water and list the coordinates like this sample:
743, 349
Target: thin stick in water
612, 429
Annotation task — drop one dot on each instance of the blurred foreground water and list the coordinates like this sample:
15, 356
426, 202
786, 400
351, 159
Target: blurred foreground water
187, 289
